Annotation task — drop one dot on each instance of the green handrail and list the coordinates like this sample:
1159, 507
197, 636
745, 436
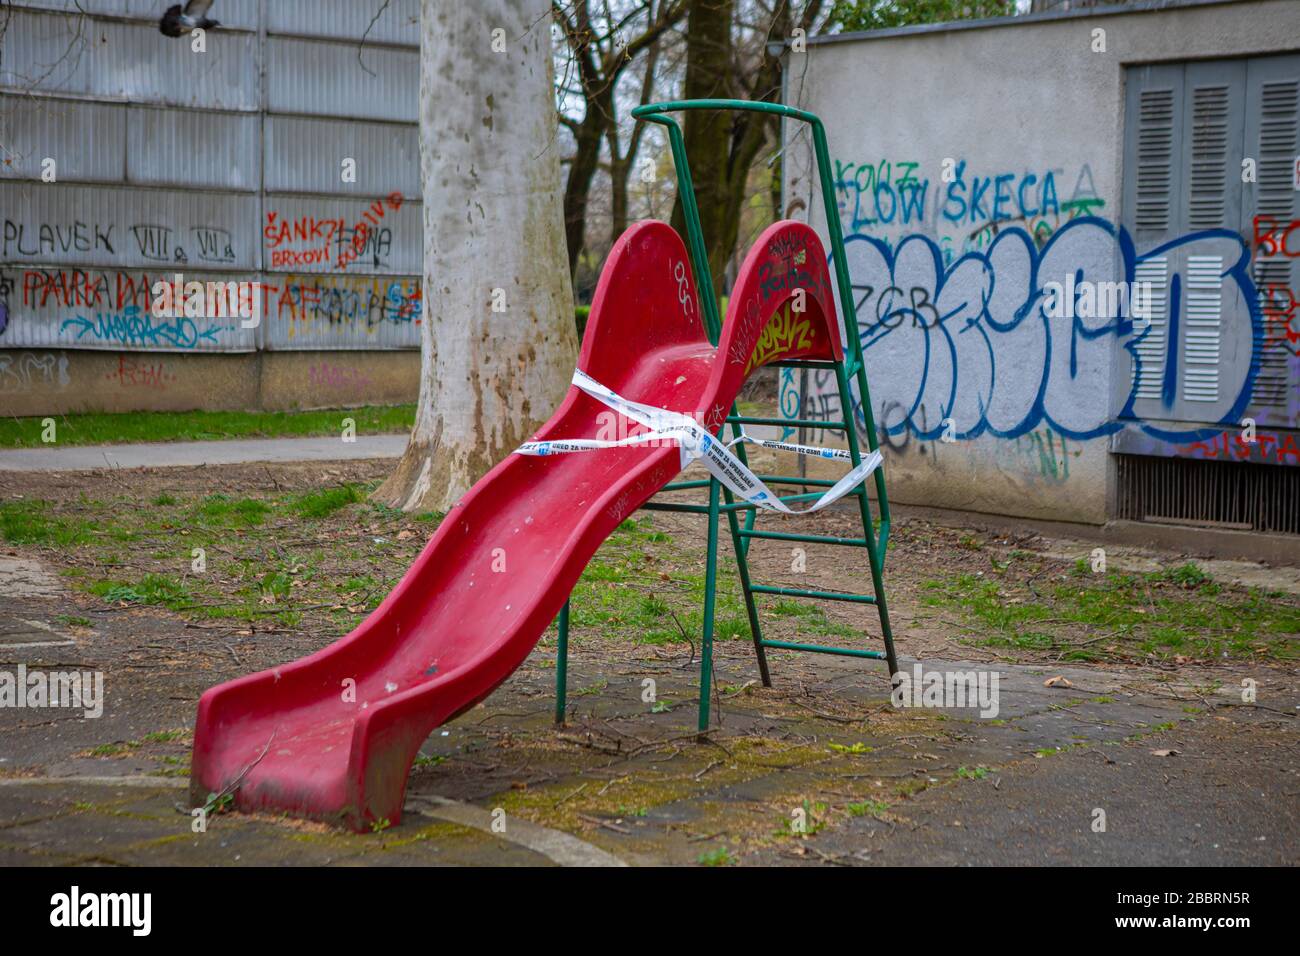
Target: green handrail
657, 113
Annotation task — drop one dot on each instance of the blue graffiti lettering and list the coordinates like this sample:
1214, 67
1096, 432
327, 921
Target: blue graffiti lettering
973, 340
134, 328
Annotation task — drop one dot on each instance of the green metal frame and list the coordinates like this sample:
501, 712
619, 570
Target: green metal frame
721, 501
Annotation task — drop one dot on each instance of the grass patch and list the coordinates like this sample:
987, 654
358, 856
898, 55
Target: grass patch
1176, 612
152, 589
811, 620
30, 522
222, 511
853, 749
320, 504
807, 821
163, 736
867, 808
118, 748
719, 857
619, 595
108, 429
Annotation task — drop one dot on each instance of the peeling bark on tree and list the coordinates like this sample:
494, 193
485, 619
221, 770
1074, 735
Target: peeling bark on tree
492, 221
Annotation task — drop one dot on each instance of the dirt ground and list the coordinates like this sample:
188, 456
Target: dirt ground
1125, 731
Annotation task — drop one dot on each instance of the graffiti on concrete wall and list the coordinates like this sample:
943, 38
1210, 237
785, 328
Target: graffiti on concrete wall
140, 373
338, 380
53, 241
960, 342
965, 208
1278, 241
24, 371
324, 307
48, 306
1269, 447
336, 242
87, 282
975, 340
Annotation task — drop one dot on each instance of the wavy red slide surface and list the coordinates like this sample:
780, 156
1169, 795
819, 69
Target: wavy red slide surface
332, 736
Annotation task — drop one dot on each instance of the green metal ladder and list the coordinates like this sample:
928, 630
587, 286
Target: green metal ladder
721, 500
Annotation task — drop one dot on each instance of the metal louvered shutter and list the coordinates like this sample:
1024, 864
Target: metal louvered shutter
1190, 131
1273, 135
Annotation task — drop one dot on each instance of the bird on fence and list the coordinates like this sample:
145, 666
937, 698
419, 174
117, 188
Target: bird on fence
177, 22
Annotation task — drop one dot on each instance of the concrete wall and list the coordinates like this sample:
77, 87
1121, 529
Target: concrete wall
1029, 116
276, 152
62, 381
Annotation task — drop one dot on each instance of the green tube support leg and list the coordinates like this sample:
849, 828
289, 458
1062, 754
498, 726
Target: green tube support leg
740, 545
710, 594
562, 664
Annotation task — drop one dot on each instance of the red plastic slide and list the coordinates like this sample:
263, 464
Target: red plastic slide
333, 736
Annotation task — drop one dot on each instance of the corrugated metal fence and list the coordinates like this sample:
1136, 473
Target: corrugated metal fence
231, 164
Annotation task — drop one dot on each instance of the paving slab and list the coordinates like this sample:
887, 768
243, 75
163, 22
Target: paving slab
190, 454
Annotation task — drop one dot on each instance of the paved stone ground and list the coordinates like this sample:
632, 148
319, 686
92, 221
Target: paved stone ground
1185, 772
174, 454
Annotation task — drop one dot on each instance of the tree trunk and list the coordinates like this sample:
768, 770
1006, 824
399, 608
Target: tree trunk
586, 159
498, 343
722, 147
708, 134
621, 165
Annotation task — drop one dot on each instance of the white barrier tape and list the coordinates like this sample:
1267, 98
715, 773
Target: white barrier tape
696, 442
812, 451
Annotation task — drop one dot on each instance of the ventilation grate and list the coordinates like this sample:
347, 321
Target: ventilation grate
1150, 348
1209, 172
1231, 494
1204, 320
1279, 141
1155, 158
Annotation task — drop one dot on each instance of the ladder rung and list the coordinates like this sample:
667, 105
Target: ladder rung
820, 595
803, 363
675, 507
684, 485
820, 649
824, 538
785, 422
750, 506
796, 480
